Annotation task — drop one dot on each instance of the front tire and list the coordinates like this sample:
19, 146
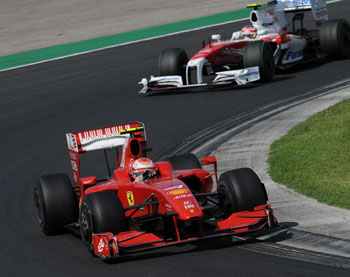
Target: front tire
101, 212
55, 202
334, 38
241, 190
259, 53
172, 61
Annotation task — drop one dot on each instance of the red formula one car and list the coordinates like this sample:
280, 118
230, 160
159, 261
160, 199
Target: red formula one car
254, 52
144, 205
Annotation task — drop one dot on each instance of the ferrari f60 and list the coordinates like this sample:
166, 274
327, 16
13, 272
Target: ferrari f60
143, 204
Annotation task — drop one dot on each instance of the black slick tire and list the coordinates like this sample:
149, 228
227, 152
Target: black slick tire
172, 61
334, 37
259, 53
55, 202
241, 190
101, 212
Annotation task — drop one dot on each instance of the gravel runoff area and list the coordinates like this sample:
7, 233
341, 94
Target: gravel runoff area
250, 148
32, 24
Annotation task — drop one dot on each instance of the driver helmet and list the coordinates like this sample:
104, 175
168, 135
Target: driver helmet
249, 32
141, 166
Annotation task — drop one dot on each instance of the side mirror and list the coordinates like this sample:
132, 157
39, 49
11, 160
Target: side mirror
209, 160
216, 37
88, 181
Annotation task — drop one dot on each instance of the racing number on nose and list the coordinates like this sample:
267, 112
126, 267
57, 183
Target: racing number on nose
130, 197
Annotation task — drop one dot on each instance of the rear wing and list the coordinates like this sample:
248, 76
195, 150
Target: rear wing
317, 7
101, 139
295, 5
104, 138
272, 15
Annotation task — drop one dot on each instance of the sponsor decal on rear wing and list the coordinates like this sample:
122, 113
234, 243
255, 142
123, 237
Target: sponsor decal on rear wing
317, 7
103, 138
296, 4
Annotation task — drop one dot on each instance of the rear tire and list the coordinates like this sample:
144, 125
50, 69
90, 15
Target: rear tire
334, 38
259, 53
55, 202
242, 190
101, 212
184, 161
172, 61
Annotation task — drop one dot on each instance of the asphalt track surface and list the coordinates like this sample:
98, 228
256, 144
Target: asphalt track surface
41, 103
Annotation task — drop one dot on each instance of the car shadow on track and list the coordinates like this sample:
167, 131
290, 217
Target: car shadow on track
272, 235
303, 67
205, 245
278, 234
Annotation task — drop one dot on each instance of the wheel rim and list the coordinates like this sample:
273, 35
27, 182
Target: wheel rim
39, 208
85, 231
346, 41
269, 65
226, 202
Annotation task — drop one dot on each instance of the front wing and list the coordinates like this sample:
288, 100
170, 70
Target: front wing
231, 77
108, 245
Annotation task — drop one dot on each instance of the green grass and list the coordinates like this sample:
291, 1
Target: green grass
314, 157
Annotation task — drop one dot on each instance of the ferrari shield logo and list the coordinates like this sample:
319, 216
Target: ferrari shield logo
130, 197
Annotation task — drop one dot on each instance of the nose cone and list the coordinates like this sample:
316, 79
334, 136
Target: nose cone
183, 202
